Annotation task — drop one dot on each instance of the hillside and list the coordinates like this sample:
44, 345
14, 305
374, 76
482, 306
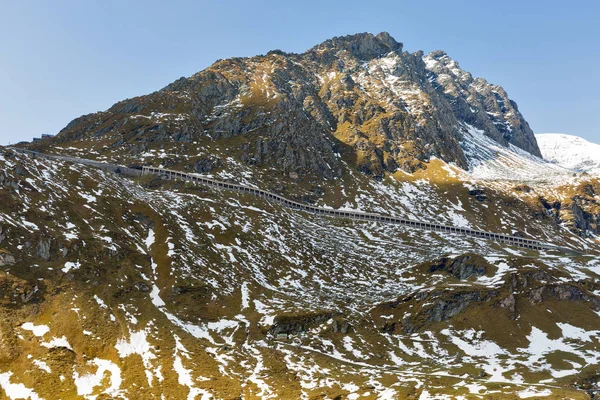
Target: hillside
129, 287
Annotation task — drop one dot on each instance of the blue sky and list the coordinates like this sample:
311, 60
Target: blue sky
61, 59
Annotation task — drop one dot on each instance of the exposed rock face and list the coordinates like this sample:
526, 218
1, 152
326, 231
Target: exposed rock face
534, 286
357, 96
579, 210
585, 213
476, 102
43, 249
292, 324
207, 164
462, 267
6, 258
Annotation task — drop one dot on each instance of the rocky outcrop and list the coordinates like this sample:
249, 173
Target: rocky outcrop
297, 323
565, 292
6, 258
478, 103
462, 267
43, 249
579, 210
534, 286
207, 164
441, 306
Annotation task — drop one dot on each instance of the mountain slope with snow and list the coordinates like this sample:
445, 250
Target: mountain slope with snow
570, 152
144, 287
490, 161
357, 99
135, 288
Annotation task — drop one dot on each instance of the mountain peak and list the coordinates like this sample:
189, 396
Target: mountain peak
356, 95
362, 45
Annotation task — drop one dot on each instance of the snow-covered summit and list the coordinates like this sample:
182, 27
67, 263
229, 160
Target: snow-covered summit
570, 152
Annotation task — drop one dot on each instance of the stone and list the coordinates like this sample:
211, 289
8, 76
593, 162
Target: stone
509, 303
142, 287
462, 267
43, 249
6, 258
478, 193
207, 164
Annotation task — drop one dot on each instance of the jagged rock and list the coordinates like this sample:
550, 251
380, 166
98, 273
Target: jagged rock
478, 193
509, 303
439, 305
535, 285
523, 188
208, 164
446, 308
480, 104
340, 326
43, 249
63, 250
566, 292
142, 287
463, 267
6, 258
582, 220
20, 171
27, 295
6, 182
297, 323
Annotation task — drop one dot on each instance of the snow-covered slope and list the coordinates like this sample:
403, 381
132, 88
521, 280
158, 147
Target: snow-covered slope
490, 161
570, 152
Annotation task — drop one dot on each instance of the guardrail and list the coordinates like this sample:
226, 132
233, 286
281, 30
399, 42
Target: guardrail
356, 215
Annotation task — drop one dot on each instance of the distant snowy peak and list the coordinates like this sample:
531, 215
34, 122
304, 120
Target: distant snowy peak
570, 152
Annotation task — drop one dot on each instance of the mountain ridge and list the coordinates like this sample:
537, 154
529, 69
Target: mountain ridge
358, 95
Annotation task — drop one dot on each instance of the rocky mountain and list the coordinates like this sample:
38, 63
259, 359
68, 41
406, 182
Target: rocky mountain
357, 96
129, 287
570, 152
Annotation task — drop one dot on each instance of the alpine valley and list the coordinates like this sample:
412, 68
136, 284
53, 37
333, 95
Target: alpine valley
117, 286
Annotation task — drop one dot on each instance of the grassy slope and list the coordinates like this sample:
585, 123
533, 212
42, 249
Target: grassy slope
207, 250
